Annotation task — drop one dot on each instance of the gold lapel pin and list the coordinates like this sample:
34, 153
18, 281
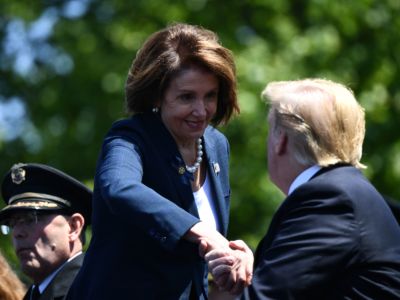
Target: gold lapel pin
181, 170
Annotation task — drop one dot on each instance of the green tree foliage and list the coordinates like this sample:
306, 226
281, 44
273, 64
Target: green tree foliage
72, 90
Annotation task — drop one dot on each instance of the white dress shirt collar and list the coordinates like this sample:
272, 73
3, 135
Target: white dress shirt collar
303, 177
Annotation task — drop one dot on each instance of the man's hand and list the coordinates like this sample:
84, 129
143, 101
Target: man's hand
230, 263
231, 268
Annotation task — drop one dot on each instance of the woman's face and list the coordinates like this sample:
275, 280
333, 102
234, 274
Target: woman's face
189, 104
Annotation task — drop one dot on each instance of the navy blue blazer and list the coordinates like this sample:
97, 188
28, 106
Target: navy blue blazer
334, 237
142, 206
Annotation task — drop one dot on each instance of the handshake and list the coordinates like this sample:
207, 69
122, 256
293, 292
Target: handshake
229, 262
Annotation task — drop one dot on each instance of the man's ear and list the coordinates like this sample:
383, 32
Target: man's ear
281, 144
76, 223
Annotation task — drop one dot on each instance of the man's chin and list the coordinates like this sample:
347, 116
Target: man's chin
29, 266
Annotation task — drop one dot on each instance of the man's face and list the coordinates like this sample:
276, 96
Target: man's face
41, 242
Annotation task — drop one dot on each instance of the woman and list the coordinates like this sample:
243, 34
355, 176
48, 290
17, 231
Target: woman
11, 287
161, 186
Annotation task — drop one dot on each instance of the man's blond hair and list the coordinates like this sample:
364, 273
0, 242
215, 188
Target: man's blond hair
324, 121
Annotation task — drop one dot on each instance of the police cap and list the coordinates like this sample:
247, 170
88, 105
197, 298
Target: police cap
39, 187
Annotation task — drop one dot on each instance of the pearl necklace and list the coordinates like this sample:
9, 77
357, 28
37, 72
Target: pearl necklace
199, 158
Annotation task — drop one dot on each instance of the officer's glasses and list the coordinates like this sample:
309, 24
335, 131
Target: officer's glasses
26, 219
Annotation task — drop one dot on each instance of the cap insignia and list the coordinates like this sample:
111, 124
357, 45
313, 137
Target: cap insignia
18, 175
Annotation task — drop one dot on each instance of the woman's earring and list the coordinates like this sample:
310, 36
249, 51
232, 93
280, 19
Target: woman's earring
155, 110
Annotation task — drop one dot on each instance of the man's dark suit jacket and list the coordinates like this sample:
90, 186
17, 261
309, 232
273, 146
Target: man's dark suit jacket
142, 206
334, 237
59, 286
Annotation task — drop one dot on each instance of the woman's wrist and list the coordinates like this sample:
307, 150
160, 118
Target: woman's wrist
202, 232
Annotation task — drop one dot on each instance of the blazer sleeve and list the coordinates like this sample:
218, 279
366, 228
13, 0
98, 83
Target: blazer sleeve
119, 180
313, 233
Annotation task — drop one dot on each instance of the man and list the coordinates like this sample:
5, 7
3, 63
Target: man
333, 237
47, 212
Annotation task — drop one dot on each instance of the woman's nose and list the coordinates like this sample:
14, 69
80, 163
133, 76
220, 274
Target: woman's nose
200, 108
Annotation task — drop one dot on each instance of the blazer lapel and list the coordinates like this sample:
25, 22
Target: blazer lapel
213, 168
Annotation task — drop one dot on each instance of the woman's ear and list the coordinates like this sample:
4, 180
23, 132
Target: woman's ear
157, 103
76, 223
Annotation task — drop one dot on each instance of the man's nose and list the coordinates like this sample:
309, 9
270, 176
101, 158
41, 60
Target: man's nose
19, 230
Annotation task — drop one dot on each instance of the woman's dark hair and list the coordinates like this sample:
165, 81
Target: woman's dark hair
171, 50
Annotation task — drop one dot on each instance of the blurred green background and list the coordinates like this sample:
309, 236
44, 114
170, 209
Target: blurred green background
63, 65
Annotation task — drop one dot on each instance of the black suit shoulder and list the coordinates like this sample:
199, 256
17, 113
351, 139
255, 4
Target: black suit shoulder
332, 238
59, 286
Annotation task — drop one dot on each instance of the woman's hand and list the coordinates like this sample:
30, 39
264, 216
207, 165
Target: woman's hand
231, 269
230, 263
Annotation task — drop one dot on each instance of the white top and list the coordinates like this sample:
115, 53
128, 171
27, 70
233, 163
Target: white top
205, 205
303, 177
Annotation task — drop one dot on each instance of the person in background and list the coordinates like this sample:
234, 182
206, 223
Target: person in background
162, 188
11, 287
334, 236
47, 212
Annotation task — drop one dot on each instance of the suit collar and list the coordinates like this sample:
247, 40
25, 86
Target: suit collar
331, 167
213, 167
60, 284
61, 281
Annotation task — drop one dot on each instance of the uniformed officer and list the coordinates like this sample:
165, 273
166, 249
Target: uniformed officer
47, 212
